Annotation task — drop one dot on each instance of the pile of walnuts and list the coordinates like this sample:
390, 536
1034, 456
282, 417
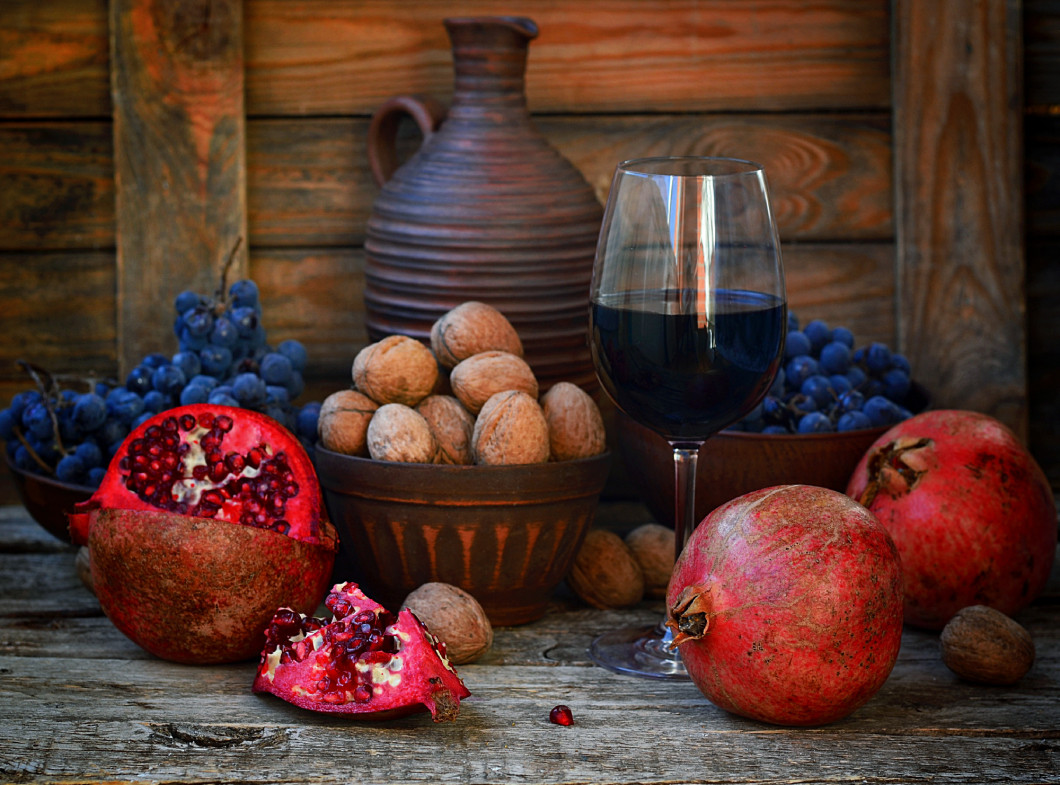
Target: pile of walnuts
470, 398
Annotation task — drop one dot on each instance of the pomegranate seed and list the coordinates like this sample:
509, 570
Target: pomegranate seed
561, 715
362, 694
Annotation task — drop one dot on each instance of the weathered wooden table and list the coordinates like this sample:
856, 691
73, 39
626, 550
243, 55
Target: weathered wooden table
81, 703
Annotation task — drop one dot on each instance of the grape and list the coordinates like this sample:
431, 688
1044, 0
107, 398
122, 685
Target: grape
187, 300
70, 469
296, 352
95, 476
819, 334
194, 393
853, 421
89, 453
881, 411
246, 321
276, 369
244, 293
224, 333
222, 399
275, 395
844, 336
124, 406
37, 421
139, 379
249, 389
90, 411
796, 344
155, 401
877, 357
215, 360
203, 380
168, 379
198, 321
7, 424
815, 422
820, 389
825, 375
188, 362
835, 358
308, 417
799, 369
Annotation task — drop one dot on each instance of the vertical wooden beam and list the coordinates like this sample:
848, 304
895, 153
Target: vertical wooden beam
961, 308
179, 158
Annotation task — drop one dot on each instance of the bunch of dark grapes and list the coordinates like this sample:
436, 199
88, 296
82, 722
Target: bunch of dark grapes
223, 358
826, 385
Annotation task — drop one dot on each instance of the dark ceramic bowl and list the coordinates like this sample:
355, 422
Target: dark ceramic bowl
505, 534
732, 463
47, 500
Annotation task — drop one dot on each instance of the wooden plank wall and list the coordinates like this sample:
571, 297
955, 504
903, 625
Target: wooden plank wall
807, 88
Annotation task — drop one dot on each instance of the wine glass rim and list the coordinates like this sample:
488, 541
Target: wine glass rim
690, 166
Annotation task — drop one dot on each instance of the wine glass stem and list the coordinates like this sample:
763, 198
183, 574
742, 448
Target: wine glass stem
686, 455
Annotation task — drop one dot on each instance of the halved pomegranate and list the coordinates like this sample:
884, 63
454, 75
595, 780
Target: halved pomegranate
208, 519
216, 462
365, 661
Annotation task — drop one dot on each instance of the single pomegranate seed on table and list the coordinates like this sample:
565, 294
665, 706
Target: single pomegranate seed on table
561, 715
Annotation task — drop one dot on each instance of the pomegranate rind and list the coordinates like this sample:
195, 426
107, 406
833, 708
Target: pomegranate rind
305, 512
799, 591
971, 511
423, 679
197, 590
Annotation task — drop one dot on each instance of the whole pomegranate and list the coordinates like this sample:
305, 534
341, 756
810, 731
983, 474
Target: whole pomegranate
208, 519
787, 605
366, 661
968, 507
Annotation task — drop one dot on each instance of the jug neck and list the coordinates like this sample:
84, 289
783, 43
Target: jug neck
489, 61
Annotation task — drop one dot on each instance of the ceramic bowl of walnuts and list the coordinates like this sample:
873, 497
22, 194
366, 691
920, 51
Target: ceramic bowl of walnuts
447, 463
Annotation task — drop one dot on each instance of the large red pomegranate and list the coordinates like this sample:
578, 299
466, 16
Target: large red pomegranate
787, 605
208, 519
970, 510
366, 661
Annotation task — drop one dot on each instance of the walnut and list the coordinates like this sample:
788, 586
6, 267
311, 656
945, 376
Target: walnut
510, 429
400, 433
984, 645
471, 328
454, 617
452, 426
605, 573
397, 369
653, 547
478, 377
343, 422
575, 425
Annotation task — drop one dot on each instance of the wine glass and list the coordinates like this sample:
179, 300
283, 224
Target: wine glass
687, 322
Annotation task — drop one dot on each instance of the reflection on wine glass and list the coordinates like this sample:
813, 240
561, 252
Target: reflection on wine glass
687, 322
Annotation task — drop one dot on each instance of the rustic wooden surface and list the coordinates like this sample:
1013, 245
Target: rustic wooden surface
179, 163
958, 149
81, 703
813, 89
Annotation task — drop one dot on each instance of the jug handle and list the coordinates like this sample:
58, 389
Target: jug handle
382, 132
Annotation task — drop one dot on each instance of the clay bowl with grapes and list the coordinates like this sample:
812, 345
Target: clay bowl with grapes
46, 499
507, 535
732, 462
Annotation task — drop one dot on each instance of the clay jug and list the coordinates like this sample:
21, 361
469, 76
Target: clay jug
485, 209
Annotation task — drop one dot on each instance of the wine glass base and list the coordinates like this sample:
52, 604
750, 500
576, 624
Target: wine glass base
638, 651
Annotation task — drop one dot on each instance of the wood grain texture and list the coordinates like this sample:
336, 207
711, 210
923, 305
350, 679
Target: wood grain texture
53, 59
594, 56
56, 185
80, 702
960, 208
180, 171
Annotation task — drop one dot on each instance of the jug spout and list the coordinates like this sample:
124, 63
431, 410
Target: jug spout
489, 56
